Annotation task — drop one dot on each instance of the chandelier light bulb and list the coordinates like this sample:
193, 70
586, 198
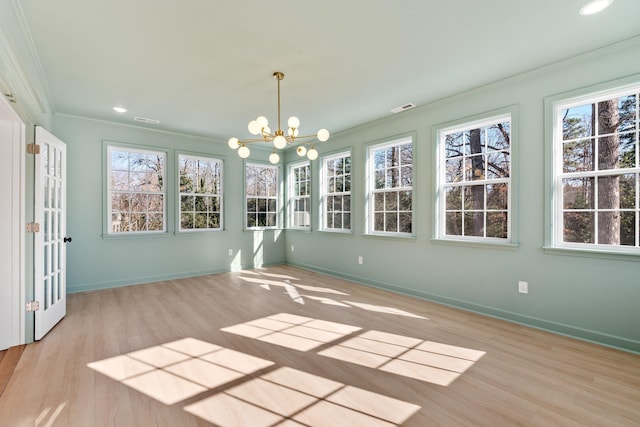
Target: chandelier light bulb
244, 151
254, 127
312, 154
278, 137
293, 122
262, 121
274, 158
323, 135
279, 142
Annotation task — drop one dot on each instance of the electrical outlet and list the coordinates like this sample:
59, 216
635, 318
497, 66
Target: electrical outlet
230, 252
360, 260
523, 287
292, 248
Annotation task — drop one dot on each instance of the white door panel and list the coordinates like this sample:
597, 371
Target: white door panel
12, 225
50, 213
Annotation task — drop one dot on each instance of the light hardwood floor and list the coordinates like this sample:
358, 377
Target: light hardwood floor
288, 347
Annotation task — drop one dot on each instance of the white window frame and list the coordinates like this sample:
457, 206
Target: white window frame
441, 183
110, 191
554, 238
266, 196
372, 191
295, 197
218, 195
326, 194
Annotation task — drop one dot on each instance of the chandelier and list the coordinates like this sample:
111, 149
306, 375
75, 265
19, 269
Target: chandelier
260, 126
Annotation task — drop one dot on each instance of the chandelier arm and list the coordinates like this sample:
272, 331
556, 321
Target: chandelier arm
251, 140
306, 136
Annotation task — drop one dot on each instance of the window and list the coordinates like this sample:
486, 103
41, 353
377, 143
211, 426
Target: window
474, 180
336, 192
299, 198
200, 193
391, 187
137, 191
261, 187
596, 171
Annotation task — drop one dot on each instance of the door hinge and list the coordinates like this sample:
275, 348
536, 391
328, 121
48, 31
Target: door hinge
33, 227
33, 306
33, 149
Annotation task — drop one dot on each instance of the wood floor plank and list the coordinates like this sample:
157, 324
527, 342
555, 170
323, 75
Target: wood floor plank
8, 360
179, 352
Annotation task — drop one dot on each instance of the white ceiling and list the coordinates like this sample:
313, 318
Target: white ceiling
204, 67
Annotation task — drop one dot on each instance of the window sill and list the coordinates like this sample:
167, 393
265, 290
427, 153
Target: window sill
264, 229
299, 229
198, 232
396, 236
145, 235
477, 243
593, 253
337, 232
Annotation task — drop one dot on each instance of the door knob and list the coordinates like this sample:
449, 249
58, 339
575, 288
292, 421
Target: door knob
67, 239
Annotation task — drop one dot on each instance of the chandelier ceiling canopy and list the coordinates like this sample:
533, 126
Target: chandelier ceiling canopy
260, 126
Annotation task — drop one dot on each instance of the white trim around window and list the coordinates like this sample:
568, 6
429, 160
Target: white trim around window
136, 193
335, 189
299, 193
200, 198
593, 177
390, 195
474, 189
262, 196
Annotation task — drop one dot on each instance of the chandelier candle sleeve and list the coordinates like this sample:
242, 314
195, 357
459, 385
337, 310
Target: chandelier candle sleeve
260, 128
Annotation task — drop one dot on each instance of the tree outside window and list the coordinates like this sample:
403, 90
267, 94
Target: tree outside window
299, 196
336, 188
475, 180
261, 188
136, 190
200, 193
391, 187
597, 173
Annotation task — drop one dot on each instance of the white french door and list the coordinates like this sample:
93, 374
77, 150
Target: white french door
50, 213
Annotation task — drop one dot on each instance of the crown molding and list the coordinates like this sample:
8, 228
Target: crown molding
25, 90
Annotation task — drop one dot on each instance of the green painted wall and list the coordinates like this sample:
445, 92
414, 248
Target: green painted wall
590, 297
95, 262
594, 298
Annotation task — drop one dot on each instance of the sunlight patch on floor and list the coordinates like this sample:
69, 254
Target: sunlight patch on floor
427, 361
178, 370
289, 396
174, 372
383, 309
296, 332
266, 282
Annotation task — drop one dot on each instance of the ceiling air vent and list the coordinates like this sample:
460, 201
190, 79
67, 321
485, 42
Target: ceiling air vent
145, 120
403, 108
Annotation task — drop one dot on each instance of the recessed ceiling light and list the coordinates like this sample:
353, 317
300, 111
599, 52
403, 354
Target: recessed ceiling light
595, 6
120, 109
